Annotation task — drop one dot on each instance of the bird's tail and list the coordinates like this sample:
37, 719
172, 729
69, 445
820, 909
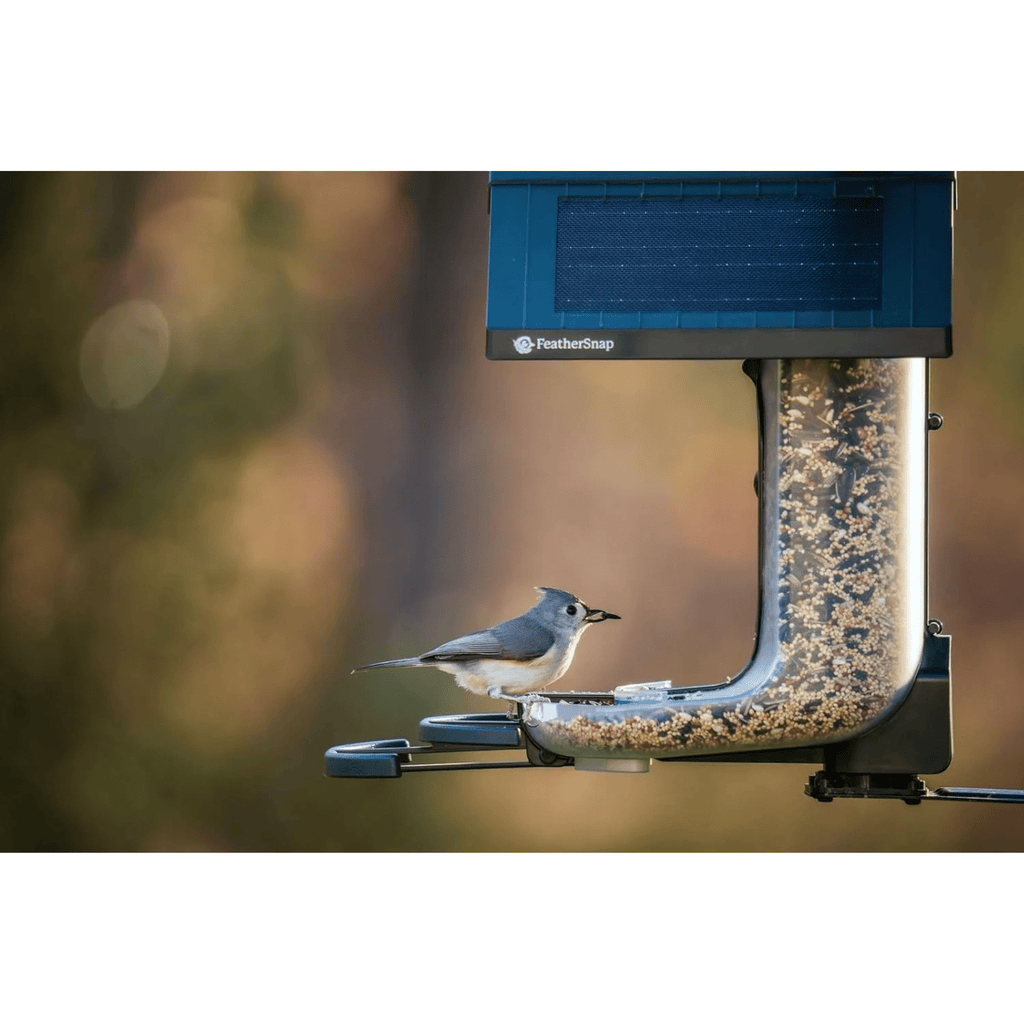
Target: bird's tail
398, 663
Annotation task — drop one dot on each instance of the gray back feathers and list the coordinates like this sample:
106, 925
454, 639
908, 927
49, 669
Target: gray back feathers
516, 640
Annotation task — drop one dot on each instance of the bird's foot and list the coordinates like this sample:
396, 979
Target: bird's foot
533, 698
515, 699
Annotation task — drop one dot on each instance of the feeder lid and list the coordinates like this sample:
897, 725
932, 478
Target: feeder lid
724, 265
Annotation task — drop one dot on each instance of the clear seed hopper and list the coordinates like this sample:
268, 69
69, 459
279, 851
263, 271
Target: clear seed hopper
835, 290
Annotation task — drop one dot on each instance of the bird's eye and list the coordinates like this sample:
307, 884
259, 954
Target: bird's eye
571, 609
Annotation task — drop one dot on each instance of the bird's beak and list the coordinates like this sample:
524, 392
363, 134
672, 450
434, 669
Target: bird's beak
596, 615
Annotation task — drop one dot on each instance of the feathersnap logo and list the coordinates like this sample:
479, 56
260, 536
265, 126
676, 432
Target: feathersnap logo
524, 344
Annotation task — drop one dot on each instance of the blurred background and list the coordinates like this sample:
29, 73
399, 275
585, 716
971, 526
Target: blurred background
250, 440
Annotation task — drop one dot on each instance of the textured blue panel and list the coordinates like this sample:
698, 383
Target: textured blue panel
734, 255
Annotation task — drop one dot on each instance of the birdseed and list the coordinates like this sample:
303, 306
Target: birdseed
844, 582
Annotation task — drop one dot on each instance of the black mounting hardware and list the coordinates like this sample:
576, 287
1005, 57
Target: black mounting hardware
389, 759
826, 786
445, 734
440, 734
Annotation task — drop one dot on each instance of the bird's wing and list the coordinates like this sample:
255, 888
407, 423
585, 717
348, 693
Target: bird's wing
515, 640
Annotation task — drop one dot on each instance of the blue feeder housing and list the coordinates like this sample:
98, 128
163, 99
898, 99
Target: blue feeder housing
693, 265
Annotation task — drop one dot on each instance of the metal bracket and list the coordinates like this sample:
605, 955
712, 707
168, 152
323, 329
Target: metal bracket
445, 734
826, 786
439, 734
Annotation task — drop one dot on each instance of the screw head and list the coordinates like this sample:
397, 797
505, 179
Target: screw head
934, 420
934, 627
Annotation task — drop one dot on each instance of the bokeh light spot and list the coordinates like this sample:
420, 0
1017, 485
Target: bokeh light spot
125, 353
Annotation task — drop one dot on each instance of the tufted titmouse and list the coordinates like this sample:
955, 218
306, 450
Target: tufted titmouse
517, 656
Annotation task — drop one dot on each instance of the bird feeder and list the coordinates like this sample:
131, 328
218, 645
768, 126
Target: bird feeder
835, 291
